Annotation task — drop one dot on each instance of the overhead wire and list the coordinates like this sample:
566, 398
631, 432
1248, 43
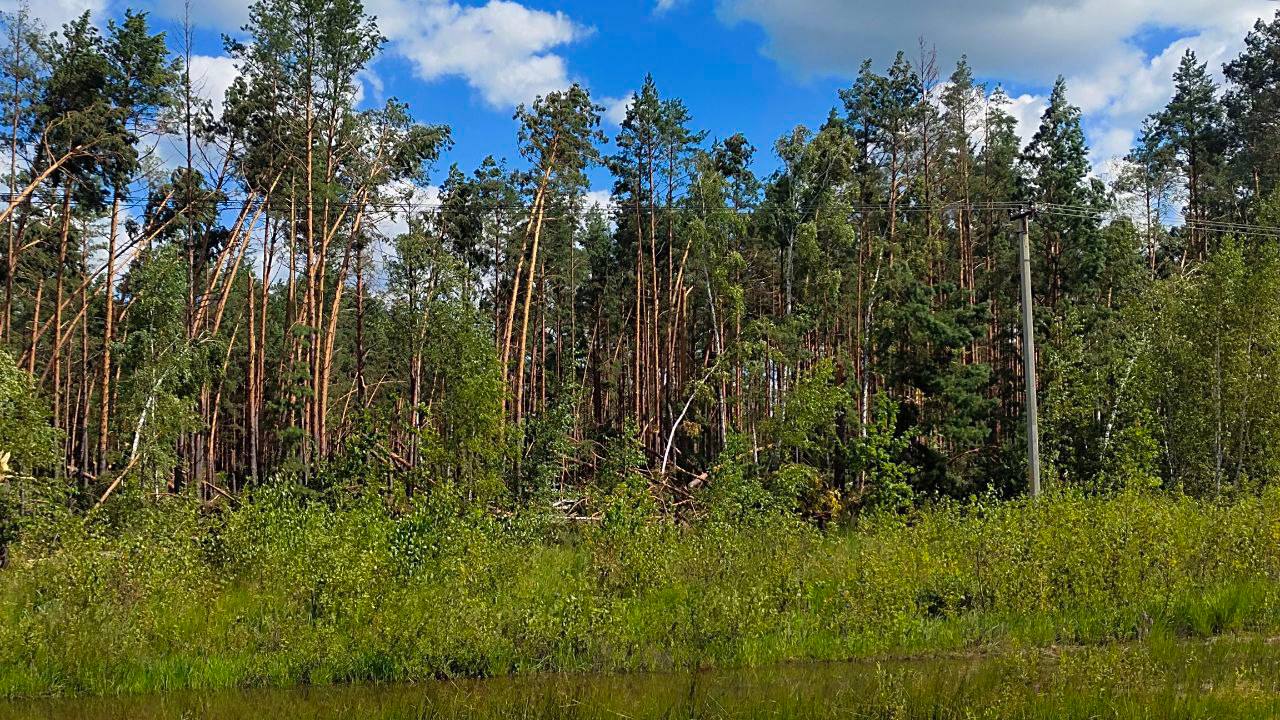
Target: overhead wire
412, 206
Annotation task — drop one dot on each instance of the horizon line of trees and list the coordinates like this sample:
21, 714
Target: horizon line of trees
842, 332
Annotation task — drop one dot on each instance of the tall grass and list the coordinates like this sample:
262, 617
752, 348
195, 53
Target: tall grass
282, 590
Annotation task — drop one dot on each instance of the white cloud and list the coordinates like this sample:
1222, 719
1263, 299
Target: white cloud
1110, 75
1108, 170
503, 49
1116, 96
1109, 145
1027, 110
615, 109
662, 6
54, 13
369, 85
411, 199
211, 76
1012, 39
602, 199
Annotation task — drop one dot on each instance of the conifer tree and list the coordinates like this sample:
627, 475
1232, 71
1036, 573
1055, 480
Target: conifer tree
557, 137
142, 85
1056, 175
1191, 126
1150, 175
21, 75
1252, 103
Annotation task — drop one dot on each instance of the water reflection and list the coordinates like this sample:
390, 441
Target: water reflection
1205, 682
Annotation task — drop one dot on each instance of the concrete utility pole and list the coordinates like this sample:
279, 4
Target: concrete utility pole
1029, 350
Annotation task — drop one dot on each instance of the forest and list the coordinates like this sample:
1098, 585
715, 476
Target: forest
229, 350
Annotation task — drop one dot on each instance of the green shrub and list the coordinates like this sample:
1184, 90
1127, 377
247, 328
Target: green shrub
287, 587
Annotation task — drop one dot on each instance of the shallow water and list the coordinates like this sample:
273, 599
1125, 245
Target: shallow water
1239, 679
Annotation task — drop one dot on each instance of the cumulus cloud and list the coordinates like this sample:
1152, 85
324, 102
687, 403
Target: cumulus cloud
54, 13
370, 86
1117, 95
211, 76
602, 199
503, 49
1115, 80
1012, 39
615, 109
412, 199
1027, 110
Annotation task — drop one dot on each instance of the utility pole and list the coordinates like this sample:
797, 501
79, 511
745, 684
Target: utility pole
1029, 350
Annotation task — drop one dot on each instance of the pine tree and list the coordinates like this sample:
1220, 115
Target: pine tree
1150, 175
961, 103
557, 137
142, 85
1056, 176
21, 75
1252, 104
1191, 126
925, 332
75, 118
880, 111
655, 148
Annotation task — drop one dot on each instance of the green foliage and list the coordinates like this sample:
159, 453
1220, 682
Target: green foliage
925, 334
469, 445
1069, 258
629, 506
1133, 460
880, 456
1192, 124
549, 438
804, 429
744, 419
29, 447
32, 446
154, 398
854, 313
558, 133
1253, 107
627, 503
737, 493
1211, 366
284, 588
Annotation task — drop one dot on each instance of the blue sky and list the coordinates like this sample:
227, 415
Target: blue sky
754, 66
717, 70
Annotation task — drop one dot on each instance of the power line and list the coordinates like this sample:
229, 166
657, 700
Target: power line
437, 207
